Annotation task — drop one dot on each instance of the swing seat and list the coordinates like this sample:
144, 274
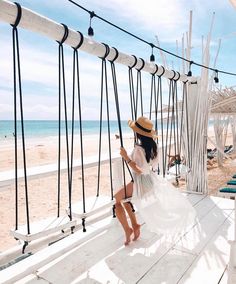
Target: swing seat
96, 208
94, 205
42, 228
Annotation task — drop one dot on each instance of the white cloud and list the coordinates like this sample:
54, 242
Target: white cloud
168, 19
159, 17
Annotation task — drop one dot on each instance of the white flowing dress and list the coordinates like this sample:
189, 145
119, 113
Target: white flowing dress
162, 207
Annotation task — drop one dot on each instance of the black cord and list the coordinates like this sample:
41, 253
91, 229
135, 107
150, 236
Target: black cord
185, 94
76, 83
103, 75
17, 73
59, 134
159, 93
108, 115
61, 78
100, 129
131, 92
168, 122
151, 44
177, 122
119, 125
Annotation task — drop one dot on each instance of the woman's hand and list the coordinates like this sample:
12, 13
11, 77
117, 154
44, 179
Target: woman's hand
131, 163
123, 153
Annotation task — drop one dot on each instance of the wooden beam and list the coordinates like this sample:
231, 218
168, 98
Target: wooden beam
39, 24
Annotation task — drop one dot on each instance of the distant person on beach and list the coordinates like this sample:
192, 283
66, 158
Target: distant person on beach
163, 208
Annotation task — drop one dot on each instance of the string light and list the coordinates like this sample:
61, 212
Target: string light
152, 57
154, 46
90, 29
216, 78
189, 71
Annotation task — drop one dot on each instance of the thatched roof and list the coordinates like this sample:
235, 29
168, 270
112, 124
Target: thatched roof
223, 101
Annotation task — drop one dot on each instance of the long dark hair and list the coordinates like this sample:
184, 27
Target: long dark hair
149, 145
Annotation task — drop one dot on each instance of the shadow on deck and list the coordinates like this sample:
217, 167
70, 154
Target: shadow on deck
201, 255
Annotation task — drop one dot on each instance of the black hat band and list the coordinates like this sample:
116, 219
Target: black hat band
142, 128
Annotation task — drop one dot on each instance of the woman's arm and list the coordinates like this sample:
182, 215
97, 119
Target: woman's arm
129, 161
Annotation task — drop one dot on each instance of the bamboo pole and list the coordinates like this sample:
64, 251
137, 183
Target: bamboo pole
39, 24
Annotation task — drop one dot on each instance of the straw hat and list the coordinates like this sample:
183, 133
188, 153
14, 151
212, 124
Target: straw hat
143, 126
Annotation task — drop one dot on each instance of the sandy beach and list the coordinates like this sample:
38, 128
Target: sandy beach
43, 191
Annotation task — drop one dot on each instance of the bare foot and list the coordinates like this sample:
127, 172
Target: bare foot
128, 234
136, 232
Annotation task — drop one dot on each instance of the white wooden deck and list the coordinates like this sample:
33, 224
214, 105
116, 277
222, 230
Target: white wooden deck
98, 256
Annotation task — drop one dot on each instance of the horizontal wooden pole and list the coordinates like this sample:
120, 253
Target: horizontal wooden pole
39, 24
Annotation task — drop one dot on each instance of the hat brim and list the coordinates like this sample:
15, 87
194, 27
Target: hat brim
151, 134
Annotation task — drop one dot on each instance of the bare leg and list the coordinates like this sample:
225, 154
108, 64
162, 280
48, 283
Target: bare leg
132, 216
120, 211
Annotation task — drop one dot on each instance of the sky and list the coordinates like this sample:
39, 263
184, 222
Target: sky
167, 20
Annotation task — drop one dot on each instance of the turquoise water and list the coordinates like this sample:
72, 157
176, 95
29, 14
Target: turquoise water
45, 128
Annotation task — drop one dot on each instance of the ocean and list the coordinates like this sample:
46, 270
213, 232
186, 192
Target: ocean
47, 128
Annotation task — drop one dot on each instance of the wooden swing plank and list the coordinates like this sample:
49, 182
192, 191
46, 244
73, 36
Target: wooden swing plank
43, 228
94, 205
31, 264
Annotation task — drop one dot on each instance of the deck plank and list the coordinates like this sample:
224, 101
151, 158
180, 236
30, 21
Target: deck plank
224, 279
169, 269
197, 238
212, 261
103, 258
213, 249
107, 251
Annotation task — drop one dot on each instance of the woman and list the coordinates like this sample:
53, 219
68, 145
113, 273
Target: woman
162, 207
